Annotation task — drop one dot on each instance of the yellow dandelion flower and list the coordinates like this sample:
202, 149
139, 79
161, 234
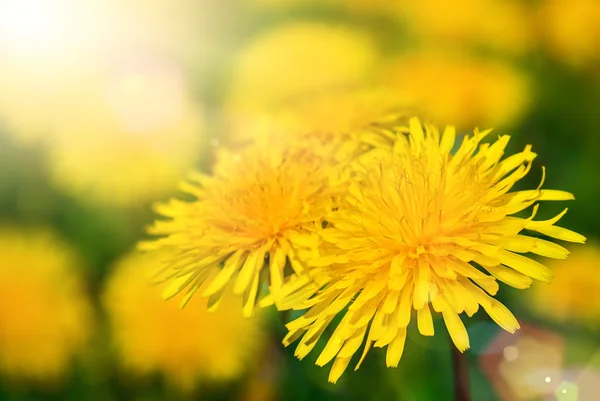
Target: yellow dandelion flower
572, 29
45, 317
298, 58
372, 6
342, 121
474, 22
423, 229
133, 132
33, 99
467, 91
187, 346
259, 203
575, 291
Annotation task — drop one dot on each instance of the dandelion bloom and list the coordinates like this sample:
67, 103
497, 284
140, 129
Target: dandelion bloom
302, 57
33, 100
574, 295
358, 6
133, 132
571, 30
187, 346
261, 203
423, 228
45, 318
467, 91
296, 60
339, 123
461, 23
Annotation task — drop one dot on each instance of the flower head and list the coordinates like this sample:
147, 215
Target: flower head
358, 6
299, 58
571, 29
44, 314
131, 134
339, 123
296, 61
467, 91
574, 295
260, 204
461, 23
423, 228
33, 100
152, 335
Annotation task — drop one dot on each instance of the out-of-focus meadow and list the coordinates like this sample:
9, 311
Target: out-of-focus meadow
106, 105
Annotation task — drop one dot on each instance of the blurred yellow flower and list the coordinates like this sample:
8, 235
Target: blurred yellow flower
375, 6
187, 346
339, 121
463, 90
574, 295
45, 318
129, 137
572, 29
299, 58
409, 236
471, 22
33, 99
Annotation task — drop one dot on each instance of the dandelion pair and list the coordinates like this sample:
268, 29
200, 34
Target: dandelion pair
408, 225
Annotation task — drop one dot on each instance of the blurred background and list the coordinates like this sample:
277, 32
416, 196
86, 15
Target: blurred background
105, 105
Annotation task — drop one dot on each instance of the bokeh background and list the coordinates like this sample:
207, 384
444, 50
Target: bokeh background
105, 105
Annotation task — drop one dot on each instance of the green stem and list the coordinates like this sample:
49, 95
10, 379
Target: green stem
460, 367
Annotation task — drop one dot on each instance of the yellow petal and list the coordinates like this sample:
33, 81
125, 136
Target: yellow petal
276, 266
352, 344
305, 239
379, 325
391, 301
214, 300
510, 277
447, 140
388, 336
425, 321
333, 346
221, 280
561, 234
489, 284
524, 244
404, 307
251, 264
249, 296
457, 330
364, 354
372, 289
526, 266
363, 316
395, 349
421, 293
176, 285
501, 315
416, 130
338, 368
191, 189
311, 337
